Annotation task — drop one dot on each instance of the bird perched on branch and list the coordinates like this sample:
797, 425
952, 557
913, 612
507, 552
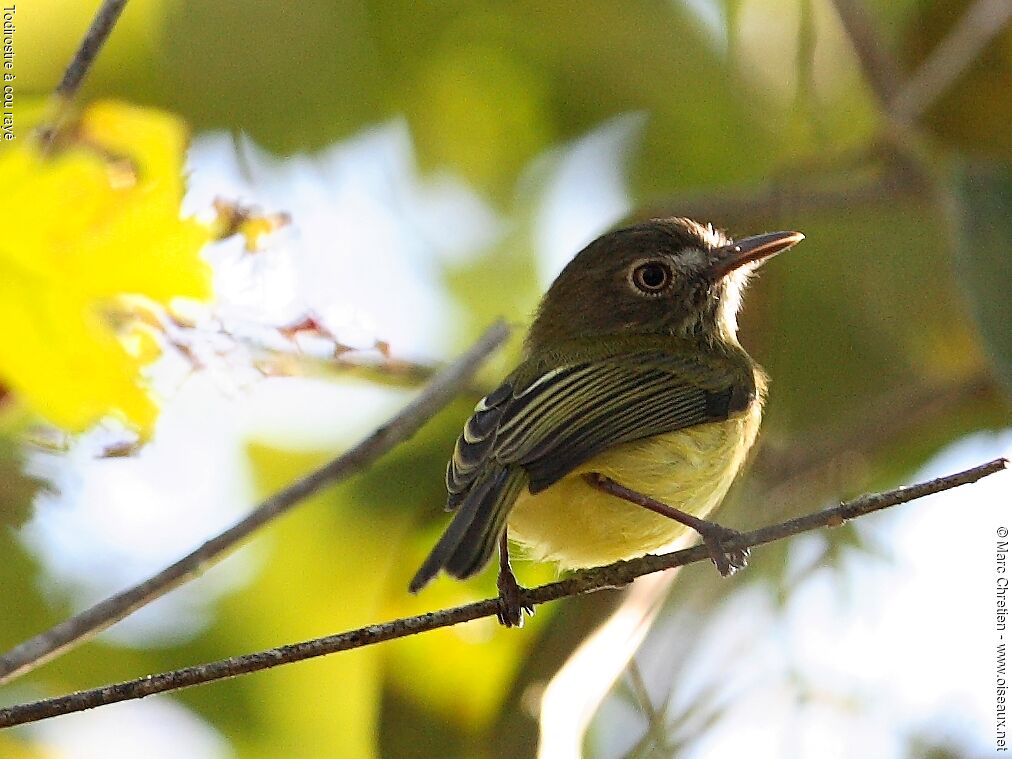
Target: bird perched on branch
626, 421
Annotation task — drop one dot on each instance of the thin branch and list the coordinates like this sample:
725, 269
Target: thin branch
288, 358
780, 200
977, 27
656, 737
906, 174
98, 32
902, 103
105, 19
880, 68
84, 626
614, 575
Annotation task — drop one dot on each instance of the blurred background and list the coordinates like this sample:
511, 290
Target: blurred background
440, 163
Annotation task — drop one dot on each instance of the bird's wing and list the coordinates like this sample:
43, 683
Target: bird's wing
601, 405
536, 432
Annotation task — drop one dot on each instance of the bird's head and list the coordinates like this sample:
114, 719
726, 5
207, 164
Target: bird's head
665, 276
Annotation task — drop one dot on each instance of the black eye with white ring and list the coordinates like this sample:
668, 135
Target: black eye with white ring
651, 277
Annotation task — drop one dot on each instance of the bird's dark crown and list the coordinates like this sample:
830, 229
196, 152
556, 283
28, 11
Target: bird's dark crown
650, 278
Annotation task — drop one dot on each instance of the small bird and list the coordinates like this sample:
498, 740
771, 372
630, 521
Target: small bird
626, 421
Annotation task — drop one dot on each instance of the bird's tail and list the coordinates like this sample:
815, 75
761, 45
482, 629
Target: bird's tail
467, 545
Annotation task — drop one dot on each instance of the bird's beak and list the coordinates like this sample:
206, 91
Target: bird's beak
751, 249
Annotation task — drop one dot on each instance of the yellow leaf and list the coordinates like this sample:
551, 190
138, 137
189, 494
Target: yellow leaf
96, 219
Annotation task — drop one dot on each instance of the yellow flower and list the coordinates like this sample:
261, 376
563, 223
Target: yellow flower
97, 219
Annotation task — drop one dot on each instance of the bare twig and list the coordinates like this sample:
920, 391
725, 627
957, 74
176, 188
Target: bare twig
105, 19
906, 173
977, 27
285, 357
880, 68
101, 25
768, 202
656, 737
614, 575
82, 627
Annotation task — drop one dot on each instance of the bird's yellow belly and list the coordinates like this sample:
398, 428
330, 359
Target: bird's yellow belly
577, 525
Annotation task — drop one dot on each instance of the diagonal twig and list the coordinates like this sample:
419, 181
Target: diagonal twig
98, 32
783, 199
85, 625
950, 58
614, 575
879, 67
105, 19
904, 101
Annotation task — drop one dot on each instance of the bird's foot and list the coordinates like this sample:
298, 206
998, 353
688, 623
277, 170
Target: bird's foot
511, 606
714, 535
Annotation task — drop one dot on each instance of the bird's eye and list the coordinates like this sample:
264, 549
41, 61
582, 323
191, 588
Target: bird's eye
652, 277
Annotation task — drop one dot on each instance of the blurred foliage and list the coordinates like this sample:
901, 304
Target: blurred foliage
96, 219
737, 94
12, 748
485, 87
19, 487
984, 227
985, 82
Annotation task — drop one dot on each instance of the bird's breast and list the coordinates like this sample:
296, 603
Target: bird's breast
576, 525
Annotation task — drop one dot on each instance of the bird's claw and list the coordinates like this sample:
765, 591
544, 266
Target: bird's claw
727, 562
511, 608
